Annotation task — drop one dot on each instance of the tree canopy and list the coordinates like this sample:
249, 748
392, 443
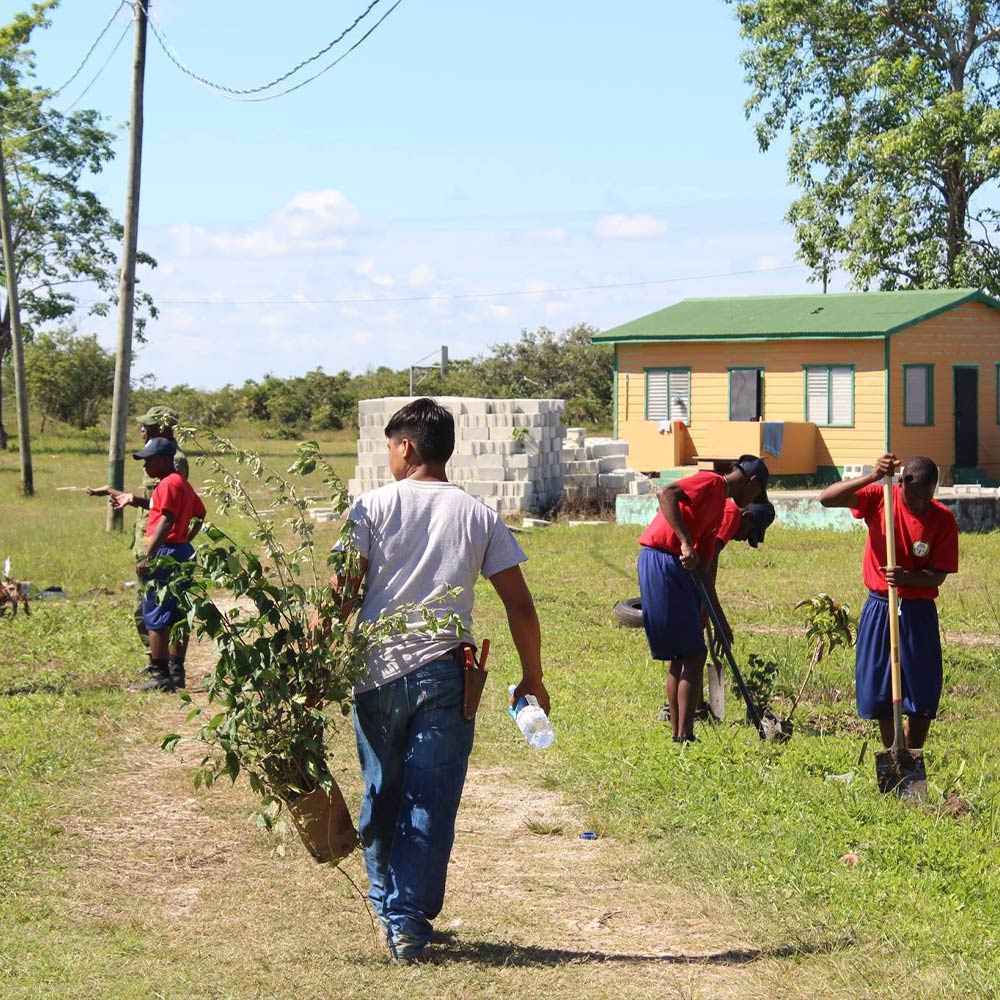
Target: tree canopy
63, 236
893, 113
70, 378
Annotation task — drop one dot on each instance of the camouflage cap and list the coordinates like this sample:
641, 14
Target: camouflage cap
160, 416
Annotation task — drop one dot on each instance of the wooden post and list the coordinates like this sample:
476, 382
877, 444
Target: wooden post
126, 286
17, 344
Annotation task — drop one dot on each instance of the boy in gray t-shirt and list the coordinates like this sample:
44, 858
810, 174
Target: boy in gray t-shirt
418, 538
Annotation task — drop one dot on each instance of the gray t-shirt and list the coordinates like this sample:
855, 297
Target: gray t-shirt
420, 539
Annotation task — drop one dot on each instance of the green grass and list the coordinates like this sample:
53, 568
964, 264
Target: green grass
758, 827
761, 822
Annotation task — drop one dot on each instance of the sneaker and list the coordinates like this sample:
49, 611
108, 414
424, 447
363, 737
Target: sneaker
664, 713
701, 713
159, 679
176, 671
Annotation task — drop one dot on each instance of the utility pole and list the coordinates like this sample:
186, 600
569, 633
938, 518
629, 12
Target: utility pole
126, 285
17, 344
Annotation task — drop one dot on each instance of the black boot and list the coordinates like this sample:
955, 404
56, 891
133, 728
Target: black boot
176, 670
159, 677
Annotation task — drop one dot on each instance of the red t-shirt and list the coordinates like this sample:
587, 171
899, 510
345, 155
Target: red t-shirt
923, 541
732, 518
175, 494
702, 514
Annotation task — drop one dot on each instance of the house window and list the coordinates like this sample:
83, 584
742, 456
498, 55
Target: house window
830, 395
668, 394
746, 393
918, 395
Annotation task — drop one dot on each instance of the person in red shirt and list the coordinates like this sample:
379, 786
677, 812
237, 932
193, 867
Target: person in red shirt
739, 524
680, 540
926, 552
175, 517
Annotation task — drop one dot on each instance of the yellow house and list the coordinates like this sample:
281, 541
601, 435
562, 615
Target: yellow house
813, 383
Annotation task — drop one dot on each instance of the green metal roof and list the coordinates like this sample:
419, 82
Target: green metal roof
851, 315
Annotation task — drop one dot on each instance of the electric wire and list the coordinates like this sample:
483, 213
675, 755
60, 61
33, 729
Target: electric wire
10, 137
175, 58
230, 95
90, 51
472, 295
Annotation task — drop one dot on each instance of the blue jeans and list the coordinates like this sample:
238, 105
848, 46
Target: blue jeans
413, 744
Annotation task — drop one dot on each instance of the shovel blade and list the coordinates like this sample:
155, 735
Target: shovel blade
716, 691
902, 772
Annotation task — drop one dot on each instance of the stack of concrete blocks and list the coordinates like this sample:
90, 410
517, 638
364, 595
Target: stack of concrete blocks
595, 470
512, 476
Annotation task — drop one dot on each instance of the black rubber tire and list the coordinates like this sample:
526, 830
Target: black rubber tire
629, 612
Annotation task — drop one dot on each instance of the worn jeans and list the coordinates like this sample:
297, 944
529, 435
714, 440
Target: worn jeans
413, 744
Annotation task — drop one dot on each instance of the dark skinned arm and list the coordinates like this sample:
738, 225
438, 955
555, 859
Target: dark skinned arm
670, 498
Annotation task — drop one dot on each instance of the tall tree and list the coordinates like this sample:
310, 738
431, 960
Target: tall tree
64, 238
893, 113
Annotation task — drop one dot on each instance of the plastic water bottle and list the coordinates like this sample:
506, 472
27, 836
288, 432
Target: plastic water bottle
532, 720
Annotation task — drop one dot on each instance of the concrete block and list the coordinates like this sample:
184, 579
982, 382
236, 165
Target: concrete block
613, 463
483, 488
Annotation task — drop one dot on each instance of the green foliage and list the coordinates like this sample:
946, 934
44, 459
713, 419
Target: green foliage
760, 678
828, 625
893, 118
288, 651
520, 436
69, 377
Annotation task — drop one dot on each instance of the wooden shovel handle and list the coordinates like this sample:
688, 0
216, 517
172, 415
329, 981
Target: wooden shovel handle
896, 669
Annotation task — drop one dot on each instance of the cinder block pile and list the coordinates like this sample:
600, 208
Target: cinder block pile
595, 470
508, 452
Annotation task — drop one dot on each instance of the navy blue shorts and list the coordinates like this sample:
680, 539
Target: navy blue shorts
671, 606
919, 657
160, 616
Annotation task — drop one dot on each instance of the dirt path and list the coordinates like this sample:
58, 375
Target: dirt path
532, 909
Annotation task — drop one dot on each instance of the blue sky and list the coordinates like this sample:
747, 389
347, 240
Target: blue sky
471, 170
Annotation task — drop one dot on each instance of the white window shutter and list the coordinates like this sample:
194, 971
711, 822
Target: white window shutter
842, 391
817, 395
656, 396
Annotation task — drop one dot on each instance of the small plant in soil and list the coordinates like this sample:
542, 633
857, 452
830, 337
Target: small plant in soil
288, 650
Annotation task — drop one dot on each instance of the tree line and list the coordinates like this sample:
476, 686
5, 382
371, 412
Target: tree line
70, 379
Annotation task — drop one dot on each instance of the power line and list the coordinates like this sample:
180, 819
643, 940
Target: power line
232, 94
55, 93
171, 53
470, 295
90, 51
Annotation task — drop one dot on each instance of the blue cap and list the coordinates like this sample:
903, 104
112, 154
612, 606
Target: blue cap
762, 516
157, 446
752, 466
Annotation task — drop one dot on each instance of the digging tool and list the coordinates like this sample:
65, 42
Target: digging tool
898, 769
716, 686
740, 683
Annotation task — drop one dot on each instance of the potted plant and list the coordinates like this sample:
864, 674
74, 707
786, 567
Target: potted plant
288, 653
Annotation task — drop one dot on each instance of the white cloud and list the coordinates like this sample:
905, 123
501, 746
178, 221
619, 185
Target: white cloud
421, 276
618, 226
555, 235
310, 222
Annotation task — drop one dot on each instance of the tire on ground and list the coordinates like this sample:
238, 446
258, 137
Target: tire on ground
629, 612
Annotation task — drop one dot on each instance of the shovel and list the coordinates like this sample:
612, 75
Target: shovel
752, 712
898, 769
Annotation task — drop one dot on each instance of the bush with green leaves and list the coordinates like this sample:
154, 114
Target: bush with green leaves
288, 649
